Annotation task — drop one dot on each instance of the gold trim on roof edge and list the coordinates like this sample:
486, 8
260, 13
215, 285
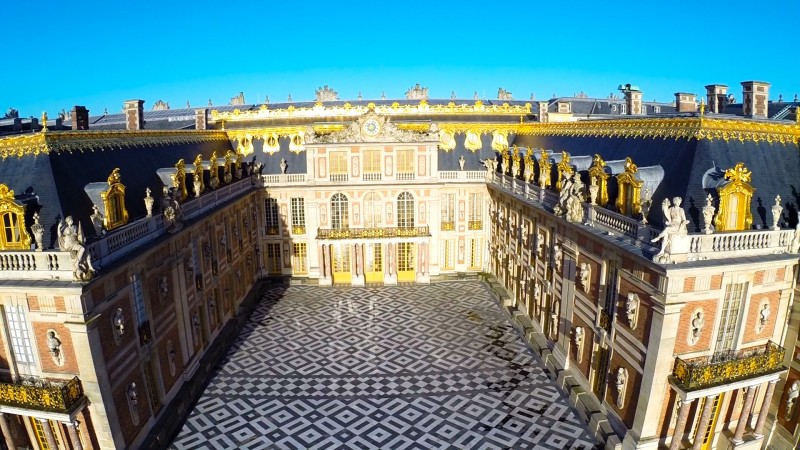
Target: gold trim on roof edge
393, 109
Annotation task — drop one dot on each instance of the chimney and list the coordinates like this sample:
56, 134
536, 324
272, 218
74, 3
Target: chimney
34, 124
543, 117
134, 115
685, 102
17, 124
755, 99
80, 118
716, 97
200, 119
633, 99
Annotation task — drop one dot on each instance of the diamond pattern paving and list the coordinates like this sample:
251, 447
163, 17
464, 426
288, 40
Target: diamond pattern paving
405, 367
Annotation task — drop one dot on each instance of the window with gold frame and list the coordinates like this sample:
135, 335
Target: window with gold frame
14, 235
271, 222
299, 258
337, 164
629, 201
298, 215
448, 254
339, 212
405, 164
448, 205
405, 210
475, 260
735, 198
372, 165
274, 258
372, 210
475, 211
41, 439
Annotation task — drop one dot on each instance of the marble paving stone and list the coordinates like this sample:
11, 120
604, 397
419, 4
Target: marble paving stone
395, 367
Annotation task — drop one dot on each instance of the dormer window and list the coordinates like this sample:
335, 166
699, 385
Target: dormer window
114, 202
734, 200
12, 217
629, 201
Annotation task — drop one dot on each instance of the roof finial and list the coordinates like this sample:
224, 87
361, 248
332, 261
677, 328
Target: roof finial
702, 107
44, 121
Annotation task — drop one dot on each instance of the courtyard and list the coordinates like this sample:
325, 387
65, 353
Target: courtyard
416, 366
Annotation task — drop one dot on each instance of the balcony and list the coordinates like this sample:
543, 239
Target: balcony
715, 370
42, 395
373, 233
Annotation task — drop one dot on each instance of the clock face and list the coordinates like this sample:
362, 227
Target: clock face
371, 127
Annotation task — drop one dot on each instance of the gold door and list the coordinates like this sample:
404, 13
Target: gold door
707, 435
406, 256
340, 259
373, 263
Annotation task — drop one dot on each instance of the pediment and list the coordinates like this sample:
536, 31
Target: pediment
372, 127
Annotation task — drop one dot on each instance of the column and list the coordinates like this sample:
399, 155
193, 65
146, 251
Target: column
48, 433
744, 416
705, 418
6, 432
762, 416
680, 425
72, 429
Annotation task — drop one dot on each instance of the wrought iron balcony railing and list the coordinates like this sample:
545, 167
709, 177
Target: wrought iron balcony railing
718, 369
44, 395
373, 233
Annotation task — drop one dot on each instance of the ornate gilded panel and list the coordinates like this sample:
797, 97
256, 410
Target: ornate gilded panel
629, 200
598, 177
564, 169
734, 200
179, 180
545, 167
12, 216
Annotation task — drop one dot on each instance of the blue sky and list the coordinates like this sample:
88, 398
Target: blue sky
98, 54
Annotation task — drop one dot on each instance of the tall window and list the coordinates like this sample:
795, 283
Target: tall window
405, 256
152, 389
731, 305
274, 258
475, 211
448, 254
372, 210
271, 216
339, 218
138, 300
20, 338
300, 258
372, 165
38, 429
405, 164
475, 261
338, 166
405, 210
298, 215
11, 234
448, 204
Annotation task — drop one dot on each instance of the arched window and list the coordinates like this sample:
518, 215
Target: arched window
14, 236
405, 210
372, 210
339, 218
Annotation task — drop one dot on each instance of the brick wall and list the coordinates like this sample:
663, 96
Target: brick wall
645, 311
754, 314
628, 410
40, 333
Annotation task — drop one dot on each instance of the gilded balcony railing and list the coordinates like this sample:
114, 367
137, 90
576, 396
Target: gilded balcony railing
42, 394
448, 226
298, 229
372, 233
713, 370
475, 225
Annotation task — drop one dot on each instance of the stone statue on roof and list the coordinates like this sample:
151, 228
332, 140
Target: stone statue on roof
503, 94
675, 221
417, 93
71, 239
326, 94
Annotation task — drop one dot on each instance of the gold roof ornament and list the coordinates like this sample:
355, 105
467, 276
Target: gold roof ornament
564, 169
702, 107
629, 197
199, 181
630, 167
499, 140
734, 200
544, 169
44, 121
179, 180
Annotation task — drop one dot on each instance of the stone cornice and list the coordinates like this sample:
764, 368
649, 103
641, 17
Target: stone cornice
71, 141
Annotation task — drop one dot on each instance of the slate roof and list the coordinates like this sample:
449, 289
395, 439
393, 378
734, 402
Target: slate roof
53, 184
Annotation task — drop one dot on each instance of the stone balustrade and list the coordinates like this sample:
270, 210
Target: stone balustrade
32, 265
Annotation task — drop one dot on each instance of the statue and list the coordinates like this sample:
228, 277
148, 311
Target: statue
283, 166
776, 213
97, 220
163, 287
491, 165
148, 202
461, 162
791, 397
708, 215
38, 232
585, 275
171, 356
622, 386
570, 199
173, 212
537, 292
579, 338
675, 221
54, 344
763, 317
515, 165
119, 324
133, 402
71, 239
698, 321
632, 309
557, 257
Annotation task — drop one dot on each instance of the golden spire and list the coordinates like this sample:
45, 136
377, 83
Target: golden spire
44, 121
702, 107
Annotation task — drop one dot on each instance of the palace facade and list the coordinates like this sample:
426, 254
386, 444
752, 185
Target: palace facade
647, 251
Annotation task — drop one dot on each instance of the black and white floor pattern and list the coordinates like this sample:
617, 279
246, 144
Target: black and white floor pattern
406, 367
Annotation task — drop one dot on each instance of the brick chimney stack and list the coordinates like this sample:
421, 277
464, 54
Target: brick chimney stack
685, 102
80, 118
716, 97
134, 115
755, 99
200, 119
633, 99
